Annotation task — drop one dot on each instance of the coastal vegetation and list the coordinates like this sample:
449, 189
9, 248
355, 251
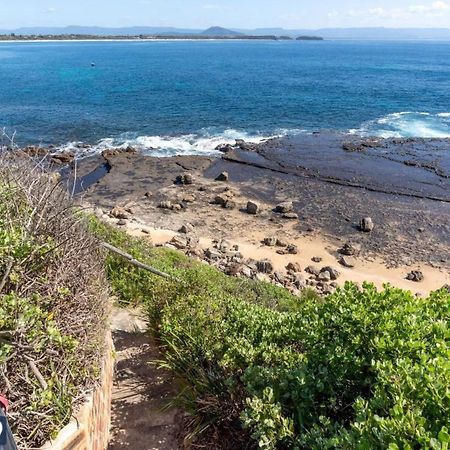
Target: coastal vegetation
53, 303
360, 368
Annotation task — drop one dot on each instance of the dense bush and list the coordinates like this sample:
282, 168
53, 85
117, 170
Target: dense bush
53, 303
360, 369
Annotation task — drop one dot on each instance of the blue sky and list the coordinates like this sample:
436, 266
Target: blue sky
228, 13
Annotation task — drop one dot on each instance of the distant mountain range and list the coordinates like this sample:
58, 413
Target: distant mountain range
328, 33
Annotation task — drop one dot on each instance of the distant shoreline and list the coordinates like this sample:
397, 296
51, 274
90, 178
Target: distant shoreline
83, 38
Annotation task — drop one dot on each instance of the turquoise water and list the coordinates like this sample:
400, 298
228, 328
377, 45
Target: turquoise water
186, 97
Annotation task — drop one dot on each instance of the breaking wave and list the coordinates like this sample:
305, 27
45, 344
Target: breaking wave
408, 124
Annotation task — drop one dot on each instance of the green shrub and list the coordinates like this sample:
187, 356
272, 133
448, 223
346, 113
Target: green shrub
360, 369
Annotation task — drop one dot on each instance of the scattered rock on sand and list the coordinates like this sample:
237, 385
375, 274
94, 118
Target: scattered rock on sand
122, 222
186, 178
290, 216
148, 194
334, 273
264, 266
285, 207
166, 204
415, 275
224, 176
366, 225
270, 241
312, 270
189, 198
187, 228
223, 198
347, 261
349, 249
292, 249
324, 276
316, 259
294, 267
119, 213
179, 242
252, 208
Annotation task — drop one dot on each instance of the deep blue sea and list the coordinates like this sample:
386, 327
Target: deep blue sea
186, 97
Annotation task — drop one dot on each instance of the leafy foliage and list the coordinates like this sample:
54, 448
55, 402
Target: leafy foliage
360, 369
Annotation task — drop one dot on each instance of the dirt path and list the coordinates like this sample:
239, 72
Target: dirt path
141, 390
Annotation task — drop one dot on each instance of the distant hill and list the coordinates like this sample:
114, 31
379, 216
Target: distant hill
221, 32
327, 33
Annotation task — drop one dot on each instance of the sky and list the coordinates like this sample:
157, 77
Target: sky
228, 13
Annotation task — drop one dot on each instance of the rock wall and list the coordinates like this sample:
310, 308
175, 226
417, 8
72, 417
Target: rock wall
89, 429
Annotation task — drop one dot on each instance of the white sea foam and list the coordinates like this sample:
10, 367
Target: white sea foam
202, 143
407, 124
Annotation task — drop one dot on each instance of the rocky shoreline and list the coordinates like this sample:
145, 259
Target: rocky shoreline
368, 200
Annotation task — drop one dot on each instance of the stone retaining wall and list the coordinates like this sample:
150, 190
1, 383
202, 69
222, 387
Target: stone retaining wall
89, 430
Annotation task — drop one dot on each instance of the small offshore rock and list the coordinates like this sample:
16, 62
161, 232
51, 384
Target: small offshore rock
252, 208
416, 276
264, 266
270, 241
347, 261
224, 176
366, 225
285, 207
224, 148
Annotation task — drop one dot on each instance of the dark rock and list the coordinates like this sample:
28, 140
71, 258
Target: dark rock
223, 177
294, 267
284, 208
225, 148
166, 204
122, 222
148, 194
187, 228
313, 270
366, 225
119, 212
186, 178
281, 243
264, 266
252, 208
334, 273
316, 259
415, 275
348, 249
324, 276
347, 261
270, 241
230, 204
292, 249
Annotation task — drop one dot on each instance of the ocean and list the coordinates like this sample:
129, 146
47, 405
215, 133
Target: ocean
186, 97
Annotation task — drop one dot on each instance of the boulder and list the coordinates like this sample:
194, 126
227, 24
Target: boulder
366, 225
225, 148
312, 270
119, 213
294, 267
270, 241
264, 266
347, 261
166, 204
179, 242
285, 207
223, 177
223, 198
290, 216
416, 276
186, 178
292, 249
324, 276
334, 273
281, 243
349, 249
230, 204
252, 208
187, 228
